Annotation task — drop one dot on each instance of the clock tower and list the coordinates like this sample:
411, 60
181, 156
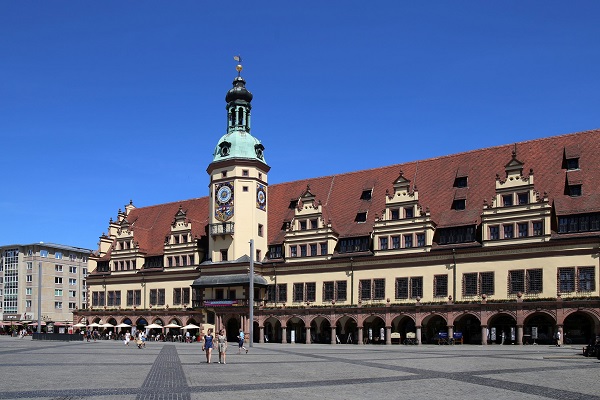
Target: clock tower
238, 184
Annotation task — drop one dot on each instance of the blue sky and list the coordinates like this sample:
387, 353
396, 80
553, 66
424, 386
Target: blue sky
106, 101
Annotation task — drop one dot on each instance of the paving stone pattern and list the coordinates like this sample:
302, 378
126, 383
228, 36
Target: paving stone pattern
110, 370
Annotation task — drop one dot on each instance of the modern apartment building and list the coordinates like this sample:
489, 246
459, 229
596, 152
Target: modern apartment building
490, 245
63, 271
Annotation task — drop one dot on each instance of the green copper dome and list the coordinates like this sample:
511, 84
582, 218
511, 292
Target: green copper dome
238, 143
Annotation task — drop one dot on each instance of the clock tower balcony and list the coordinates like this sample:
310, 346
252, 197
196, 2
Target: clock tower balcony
222, 228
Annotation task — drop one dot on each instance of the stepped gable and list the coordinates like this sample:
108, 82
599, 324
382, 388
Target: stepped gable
153, 223
434, 178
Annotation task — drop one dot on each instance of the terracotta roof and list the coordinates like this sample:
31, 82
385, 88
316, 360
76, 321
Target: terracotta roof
340, 194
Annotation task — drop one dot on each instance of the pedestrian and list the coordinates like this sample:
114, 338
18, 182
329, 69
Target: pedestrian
558, 342
187, 337
241, 342
127, 338
222, 346
208, 345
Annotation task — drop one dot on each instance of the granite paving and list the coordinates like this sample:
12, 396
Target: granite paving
31, 369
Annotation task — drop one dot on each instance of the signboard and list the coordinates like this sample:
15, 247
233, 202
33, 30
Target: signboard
382, 334
493, 334
512, 333
293, 336
534, 332
220, 303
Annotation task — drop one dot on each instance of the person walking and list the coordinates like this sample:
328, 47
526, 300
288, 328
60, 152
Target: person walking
208, 345
241, 342
558, 342
222, 346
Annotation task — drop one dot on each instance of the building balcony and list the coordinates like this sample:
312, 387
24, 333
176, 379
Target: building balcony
222, 228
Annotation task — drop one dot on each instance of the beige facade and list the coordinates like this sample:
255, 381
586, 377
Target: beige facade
63, 282
481, 250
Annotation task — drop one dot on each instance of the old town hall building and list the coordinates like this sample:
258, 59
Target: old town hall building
487, 246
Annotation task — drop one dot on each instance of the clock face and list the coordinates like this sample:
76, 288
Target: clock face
261, 196
224, 194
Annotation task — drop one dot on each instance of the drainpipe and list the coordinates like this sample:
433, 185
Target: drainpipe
454, 275
351, 281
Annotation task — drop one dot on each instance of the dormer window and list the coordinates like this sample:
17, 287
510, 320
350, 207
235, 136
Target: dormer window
523, 198
245, 172
574, 190
293, 204
395, 214
459, 204
224, 174
314, 223
572, 163
286, 226
302, 225
361, 217
507, 200
460, 182
408, 212
366, 194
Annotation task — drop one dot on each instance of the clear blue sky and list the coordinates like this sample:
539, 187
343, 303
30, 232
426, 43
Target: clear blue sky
106, 101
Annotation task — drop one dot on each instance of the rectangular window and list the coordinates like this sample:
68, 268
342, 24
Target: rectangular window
58, 292
408, 212
161, 297
260, 230
298, 295
72, 281
508, 232
535, 281
459, 204
282, 292
523, 229
440, 285
258, 255
378, 289
395, 214
275, 251
420, 240
313, 249
73, 270
293, 251
314, 223
408, 241
177, 296
328, 291
401, 288
537, 228
364, 288
486, 283
507, 200
58, 280
494, 232
572, 163
303, 250
27, 303
323, 249
245, 172
72, 293
72, 305
311, 291
110, 301
28, 291
29, 278
361, 217
29, 265
383, 243
223, 255
58, 255
303, 225
523, 198
586, 279
153, 296
185, 296
44, 253
416, 287
58, 268
574, 190
341, 290
58, 305
470, 284
101, 298
270, 293
516, 281
566, 280
395, 242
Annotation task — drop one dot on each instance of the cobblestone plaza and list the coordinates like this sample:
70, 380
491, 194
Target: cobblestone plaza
109, 369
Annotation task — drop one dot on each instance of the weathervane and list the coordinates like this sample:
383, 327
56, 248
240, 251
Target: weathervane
238, 67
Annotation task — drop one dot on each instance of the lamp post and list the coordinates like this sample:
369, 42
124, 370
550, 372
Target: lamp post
251, 297
39, 321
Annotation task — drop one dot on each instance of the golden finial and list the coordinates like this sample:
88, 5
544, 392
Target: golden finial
238, 67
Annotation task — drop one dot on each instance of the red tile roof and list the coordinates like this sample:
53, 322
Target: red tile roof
434, 178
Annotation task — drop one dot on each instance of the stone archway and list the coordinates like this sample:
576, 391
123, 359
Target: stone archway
432, 326
468, 326
374, 330
403, 324
296, 332
579, 328
502, 323
233, 329
541, 322
320, 330
347, 330
272, 330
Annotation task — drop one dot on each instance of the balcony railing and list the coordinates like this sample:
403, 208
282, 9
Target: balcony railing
222, 228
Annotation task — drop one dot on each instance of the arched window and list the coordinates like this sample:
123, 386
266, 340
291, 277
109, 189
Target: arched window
240, 116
